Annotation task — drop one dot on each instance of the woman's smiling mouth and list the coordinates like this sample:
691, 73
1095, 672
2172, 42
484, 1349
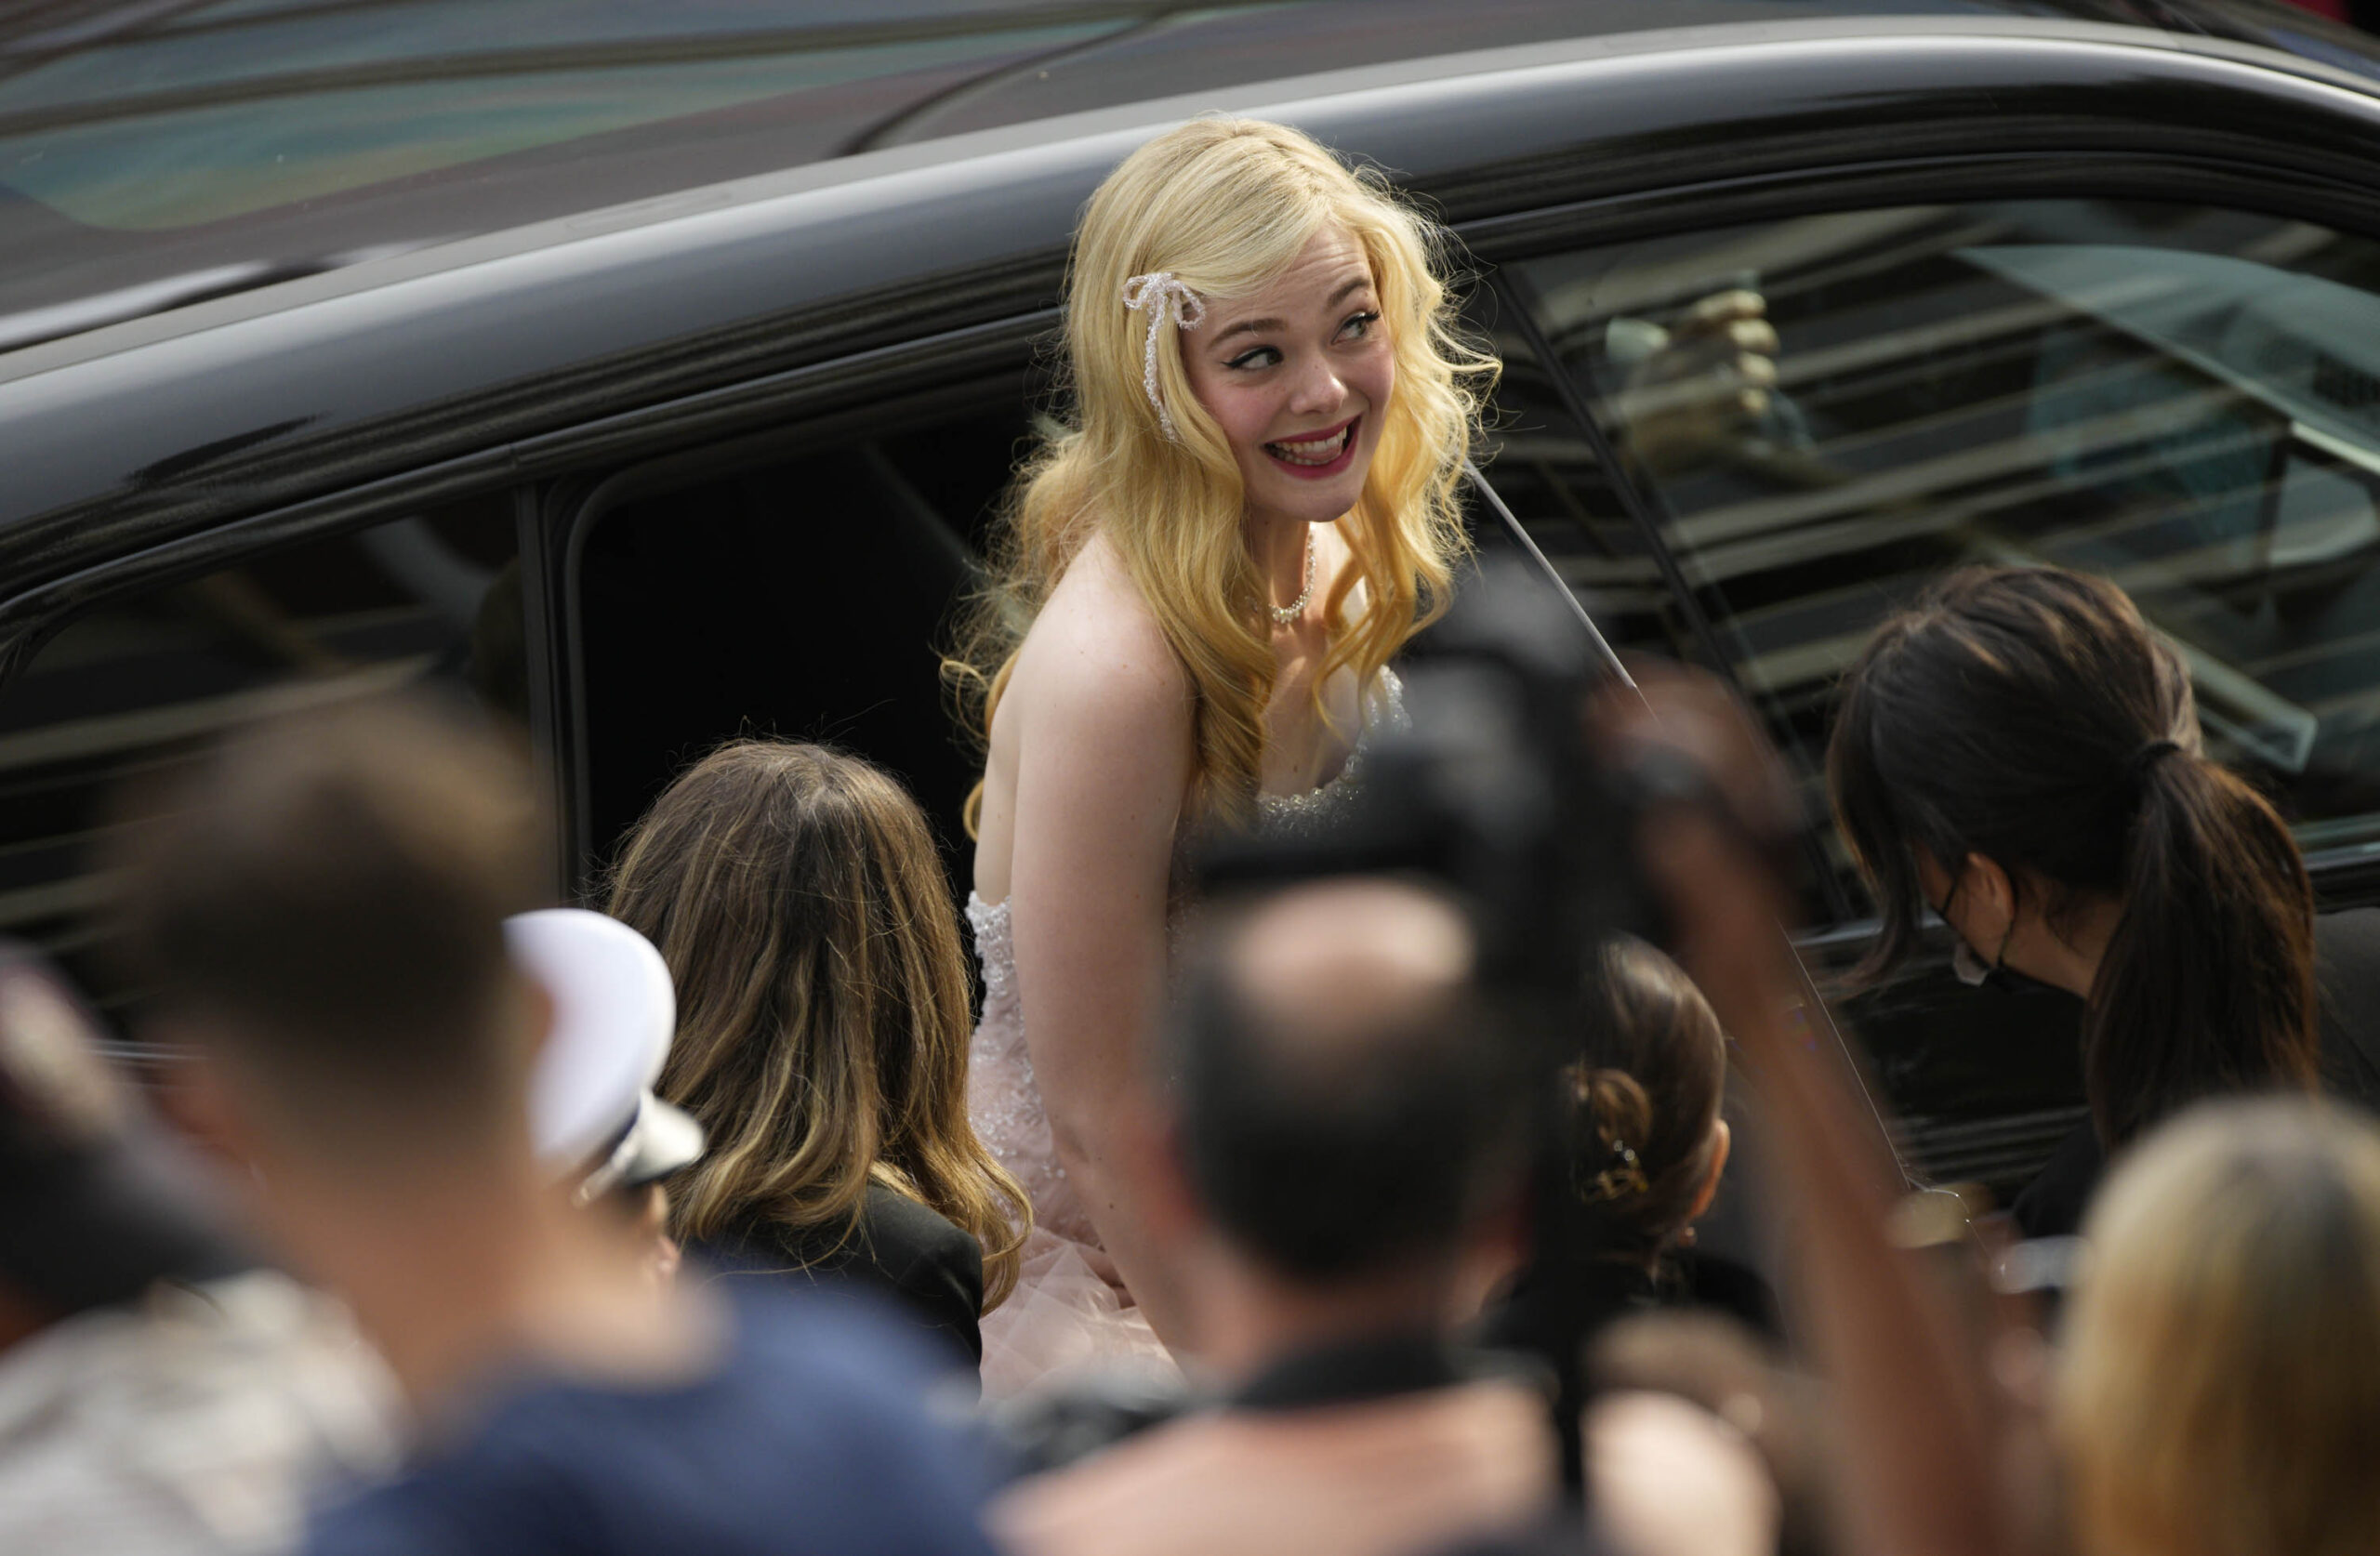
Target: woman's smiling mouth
1320, 453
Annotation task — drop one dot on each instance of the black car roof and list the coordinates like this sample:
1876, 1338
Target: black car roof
151, 156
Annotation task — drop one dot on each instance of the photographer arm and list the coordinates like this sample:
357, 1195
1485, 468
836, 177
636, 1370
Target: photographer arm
1918, 1441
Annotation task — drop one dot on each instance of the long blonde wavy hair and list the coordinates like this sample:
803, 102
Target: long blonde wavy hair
823, 1000
1226, 206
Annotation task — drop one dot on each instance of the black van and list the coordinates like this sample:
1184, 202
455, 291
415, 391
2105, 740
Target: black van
650, 372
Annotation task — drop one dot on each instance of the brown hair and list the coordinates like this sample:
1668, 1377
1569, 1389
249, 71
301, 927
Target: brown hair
2219, 1379
1647, 1099
326, 894
2028, 715
823, 999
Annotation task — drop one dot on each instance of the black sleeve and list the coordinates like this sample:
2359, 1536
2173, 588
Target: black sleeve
933, 1266
2052, 1205
2346, 973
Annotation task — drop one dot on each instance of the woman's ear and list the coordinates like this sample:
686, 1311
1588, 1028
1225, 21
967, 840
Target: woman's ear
1722, 1140
1990, 894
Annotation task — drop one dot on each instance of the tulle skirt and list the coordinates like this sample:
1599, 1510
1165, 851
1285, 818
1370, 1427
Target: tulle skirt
1065, 1319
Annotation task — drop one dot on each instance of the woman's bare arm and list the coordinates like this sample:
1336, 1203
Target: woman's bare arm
1104, 763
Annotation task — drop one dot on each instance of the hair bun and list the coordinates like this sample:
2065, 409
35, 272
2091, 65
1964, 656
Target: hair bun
1615, 1108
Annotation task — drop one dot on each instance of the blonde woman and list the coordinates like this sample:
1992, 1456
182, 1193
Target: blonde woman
797, 898
2219, 1388
1201, 581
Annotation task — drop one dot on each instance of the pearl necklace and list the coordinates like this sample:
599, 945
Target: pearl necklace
1284, 615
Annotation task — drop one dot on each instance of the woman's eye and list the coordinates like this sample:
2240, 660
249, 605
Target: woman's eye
1360, 325
1262, 356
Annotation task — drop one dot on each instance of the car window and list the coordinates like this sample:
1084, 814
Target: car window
139, 685
2186, 401
1555, 476
801, 592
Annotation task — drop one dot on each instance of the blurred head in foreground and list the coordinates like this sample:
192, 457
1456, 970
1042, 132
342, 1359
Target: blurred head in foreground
317, 913
2219, 1388
1347, 1118
95, 1204
162, 1393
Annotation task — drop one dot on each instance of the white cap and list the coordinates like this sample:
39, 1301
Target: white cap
591, 1102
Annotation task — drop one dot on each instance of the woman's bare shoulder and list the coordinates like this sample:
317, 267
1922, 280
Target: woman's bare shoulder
1097, 647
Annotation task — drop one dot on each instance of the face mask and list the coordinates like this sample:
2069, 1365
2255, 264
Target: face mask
1968, 967
1975, 972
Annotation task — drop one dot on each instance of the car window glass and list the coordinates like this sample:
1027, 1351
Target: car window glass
2183, 399
1553, 474
1547, 471
137, 686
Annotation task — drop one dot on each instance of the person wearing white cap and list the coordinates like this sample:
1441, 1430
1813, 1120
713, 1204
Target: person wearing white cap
593, 1119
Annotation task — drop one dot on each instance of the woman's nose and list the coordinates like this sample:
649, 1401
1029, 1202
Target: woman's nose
1318, 388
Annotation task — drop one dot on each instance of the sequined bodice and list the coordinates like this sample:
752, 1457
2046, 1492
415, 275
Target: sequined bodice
1296, 815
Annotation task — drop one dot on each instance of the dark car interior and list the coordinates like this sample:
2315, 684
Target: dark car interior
756, 592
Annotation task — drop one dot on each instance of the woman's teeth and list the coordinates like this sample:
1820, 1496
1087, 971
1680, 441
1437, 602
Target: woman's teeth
1319, 451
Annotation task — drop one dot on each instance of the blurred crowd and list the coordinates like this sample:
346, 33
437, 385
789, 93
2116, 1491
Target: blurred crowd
455, 1220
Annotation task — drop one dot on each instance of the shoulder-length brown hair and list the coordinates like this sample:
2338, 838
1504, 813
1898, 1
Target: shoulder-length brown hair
823, 999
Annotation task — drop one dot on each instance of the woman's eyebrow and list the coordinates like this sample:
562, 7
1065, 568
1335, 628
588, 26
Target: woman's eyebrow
1258, 326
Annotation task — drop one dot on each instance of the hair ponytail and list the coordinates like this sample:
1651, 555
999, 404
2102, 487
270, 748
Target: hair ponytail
2207, 985
2028, 715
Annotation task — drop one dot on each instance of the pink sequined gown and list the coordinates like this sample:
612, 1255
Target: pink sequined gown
1063, 1315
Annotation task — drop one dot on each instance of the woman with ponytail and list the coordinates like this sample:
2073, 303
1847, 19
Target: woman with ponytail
2020, 753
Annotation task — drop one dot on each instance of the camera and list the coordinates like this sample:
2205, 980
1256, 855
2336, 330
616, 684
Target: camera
1491, 790
1496, 791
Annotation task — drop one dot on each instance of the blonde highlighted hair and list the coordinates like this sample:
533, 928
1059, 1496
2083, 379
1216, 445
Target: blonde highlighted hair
2219, 1388
1226, 206
823, 1000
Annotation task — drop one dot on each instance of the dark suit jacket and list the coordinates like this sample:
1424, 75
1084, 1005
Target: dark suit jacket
931, 1269
2347, 978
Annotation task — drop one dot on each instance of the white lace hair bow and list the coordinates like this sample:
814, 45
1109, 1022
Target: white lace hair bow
1162, 295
